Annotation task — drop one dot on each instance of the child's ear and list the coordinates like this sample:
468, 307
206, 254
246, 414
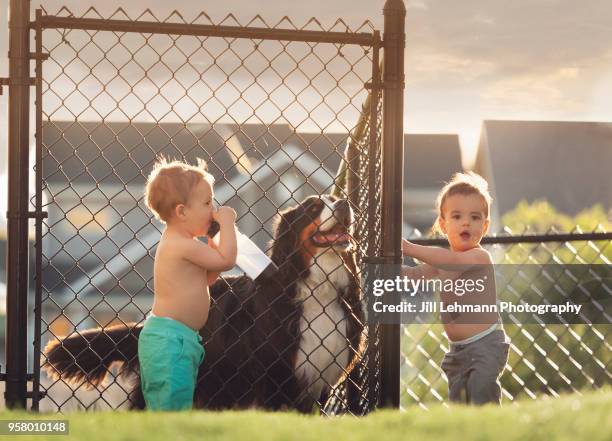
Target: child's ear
442, 224
487, 223
179, 211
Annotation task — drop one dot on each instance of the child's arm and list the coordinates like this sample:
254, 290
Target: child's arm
440, 257
222, 257
212, 276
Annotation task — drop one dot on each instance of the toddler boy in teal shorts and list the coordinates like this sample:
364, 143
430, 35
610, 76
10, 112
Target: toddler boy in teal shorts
170, 348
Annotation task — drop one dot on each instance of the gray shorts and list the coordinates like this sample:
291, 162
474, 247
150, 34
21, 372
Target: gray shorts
473, 369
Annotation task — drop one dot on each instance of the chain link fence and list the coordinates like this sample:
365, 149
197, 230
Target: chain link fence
275, 109
270, 107
545, 359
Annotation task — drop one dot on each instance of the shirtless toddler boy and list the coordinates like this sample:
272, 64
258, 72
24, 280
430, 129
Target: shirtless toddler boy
170, 347
478, 344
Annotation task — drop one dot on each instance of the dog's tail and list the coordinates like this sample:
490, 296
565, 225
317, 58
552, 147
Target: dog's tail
88, 356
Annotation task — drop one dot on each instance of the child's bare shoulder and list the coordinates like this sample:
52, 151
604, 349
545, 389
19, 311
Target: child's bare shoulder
477, 256
177, 246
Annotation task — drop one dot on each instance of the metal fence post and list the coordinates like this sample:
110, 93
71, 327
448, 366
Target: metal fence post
17, 215
392, 184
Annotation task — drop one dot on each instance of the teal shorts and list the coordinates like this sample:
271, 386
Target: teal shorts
170, 354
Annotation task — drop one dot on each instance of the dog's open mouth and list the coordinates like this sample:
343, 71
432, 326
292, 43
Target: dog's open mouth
336, 236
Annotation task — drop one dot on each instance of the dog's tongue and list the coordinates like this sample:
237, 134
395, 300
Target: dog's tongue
332, 237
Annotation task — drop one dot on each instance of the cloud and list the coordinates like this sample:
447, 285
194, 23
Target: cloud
516, 36
427, 66
416, 4
600, 97
483, 19
476, 59
568, 73
551, 91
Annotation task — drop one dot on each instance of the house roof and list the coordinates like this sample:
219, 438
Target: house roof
122, 153
566, 163
430, 159
130, 149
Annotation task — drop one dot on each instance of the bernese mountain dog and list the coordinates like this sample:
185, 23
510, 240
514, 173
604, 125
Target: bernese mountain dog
279, 342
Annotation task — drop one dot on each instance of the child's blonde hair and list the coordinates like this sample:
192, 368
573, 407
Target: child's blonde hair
465, 184
171, 183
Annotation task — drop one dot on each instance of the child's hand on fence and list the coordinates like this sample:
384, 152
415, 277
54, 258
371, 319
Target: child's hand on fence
406, 247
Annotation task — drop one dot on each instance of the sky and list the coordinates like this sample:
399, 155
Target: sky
465, 61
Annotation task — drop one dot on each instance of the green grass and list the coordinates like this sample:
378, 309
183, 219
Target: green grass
570, 417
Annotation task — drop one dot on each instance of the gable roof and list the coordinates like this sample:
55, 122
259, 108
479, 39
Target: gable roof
566, 163
130, 149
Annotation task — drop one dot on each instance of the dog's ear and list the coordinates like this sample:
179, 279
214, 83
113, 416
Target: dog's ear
285, 236
285, 250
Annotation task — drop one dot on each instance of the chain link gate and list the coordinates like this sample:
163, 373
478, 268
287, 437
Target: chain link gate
259, 103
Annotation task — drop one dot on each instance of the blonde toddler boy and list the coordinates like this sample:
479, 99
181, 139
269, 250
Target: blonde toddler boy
170, 348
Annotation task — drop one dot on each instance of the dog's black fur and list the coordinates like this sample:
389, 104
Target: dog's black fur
253, 334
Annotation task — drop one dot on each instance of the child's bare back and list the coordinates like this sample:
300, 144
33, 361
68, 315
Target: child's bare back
184, 266
181, 288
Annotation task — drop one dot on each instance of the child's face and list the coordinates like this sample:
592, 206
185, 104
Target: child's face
197, 213
464, 220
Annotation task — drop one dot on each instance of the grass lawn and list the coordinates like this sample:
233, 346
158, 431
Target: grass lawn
571, 417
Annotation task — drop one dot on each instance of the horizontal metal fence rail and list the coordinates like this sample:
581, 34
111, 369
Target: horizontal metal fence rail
151, 27
525, 238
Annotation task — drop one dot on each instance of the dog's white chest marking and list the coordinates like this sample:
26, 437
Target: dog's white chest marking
324, 348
